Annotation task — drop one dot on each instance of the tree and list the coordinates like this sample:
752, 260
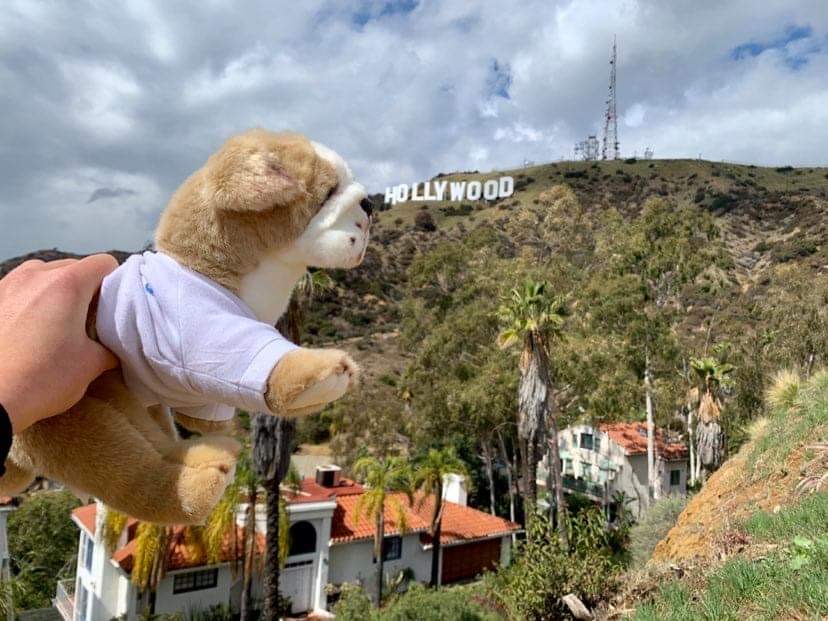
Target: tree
273, 438
43, 544
221, 524
381, 477
429, 474
646, 263
531, 316
711, 374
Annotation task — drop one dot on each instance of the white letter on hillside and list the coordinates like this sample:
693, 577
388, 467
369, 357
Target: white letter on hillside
414, 195
474, 190
440, 187
402, 192
389, 196
507, 187
490, 189
458, 188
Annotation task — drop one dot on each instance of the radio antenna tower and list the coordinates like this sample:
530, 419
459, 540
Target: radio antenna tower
610, 148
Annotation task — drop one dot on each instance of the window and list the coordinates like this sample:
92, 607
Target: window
195, 581
88, 547
391, 548
302, 538
567, 466
586, 441
83, 604
675, 478
586, 470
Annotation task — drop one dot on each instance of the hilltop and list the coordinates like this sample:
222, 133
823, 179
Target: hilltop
767, 216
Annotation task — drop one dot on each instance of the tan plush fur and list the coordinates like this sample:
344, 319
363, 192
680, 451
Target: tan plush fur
250, 202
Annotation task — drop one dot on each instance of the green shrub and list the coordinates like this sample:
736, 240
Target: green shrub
795, 248
43, 546
653, 526
542, 572
417, 604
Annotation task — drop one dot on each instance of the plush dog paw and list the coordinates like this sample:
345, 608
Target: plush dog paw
305, 380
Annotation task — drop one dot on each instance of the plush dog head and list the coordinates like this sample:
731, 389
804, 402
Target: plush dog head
266, 196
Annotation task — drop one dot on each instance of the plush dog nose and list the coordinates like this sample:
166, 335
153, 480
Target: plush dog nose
367, 206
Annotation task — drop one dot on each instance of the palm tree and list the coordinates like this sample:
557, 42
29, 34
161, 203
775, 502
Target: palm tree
150, 562
208, 542
151, 551
382, 476
428, 479
221, 524
711, 374
531, 316
272, 439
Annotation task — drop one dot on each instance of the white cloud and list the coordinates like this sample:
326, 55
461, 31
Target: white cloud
135, 96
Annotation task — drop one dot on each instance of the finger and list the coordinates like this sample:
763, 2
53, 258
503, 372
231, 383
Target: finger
91, 271
50, 265
30, 265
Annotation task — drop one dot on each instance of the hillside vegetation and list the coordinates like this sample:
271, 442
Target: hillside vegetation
753, 543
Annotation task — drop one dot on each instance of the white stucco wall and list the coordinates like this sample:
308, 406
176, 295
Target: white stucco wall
354, 562
167, 602
631, 471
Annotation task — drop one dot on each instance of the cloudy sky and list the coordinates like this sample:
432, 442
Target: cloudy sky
106, 106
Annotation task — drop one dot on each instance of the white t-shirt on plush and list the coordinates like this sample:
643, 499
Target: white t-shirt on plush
185, 341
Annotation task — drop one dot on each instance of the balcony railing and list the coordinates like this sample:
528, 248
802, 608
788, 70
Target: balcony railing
65, 599
583, 486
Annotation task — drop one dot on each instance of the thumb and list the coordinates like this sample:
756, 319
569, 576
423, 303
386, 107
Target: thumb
102, 359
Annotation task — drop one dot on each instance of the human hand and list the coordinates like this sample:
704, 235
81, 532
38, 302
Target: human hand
46, 358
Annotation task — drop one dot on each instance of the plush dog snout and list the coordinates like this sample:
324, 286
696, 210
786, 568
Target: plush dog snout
367, 206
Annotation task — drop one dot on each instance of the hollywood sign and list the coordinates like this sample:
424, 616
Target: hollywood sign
450, 190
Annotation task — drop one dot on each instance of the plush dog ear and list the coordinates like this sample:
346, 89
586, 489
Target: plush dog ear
258, 171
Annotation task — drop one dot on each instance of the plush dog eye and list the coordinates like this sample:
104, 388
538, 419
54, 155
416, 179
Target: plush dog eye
330, 193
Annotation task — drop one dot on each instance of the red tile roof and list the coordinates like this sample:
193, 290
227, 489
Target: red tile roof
632, 437
311, 491
346, 527
181, 554
460, 523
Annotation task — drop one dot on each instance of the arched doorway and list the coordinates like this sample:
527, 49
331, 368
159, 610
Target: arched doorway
297, 576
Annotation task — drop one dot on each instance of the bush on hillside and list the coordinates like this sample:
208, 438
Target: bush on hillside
419, 602
542, 572
424, 222
653, 526
43, 545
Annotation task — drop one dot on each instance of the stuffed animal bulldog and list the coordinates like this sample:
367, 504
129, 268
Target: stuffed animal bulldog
192, 326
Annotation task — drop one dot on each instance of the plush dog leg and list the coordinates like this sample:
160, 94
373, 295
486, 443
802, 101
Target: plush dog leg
107, 447
15, 480
202, 426
307, 379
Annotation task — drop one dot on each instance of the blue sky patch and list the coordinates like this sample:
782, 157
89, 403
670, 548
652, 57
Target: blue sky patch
754, 48
499, 80
368, 11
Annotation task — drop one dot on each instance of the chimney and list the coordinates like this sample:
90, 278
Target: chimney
328, 476
454, 489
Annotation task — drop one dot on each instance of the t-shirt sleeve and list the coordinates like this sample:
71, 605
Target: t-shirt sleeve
227, 358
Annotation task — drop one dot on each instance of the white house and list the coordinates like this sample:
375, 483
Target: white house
7, 505
328, 546
601, 461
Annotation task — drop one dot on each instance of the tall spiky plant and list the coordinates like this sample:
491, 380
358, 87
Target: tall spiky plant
382, 477
711, 374
429, 474
532, 316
